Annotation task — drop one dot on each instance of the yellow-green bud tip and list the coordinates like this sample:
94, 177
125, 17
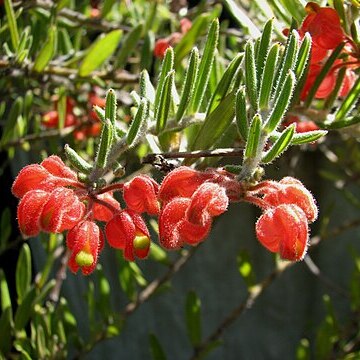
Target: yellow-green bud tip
84, 259
141, 242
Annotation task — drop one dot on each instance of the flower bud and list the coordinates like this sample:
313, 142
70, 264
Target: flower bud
284, 229
140, 195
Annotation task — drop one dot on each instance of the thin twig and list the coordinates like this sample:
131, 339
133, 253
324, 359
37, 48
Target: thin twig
145, 294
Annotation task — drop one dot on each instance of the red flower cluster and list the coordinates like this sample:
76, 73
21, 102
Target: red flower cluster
162, 44
288, 208
300, 125
324, 26
89, 126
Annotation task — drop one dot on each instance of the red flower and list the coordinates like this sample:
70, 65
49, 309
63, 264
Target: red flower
85, 240
284, 229
301, 125
62, 211
55, 166
160, 47
140, 195
188, 220
127, 231
185, 25
103, 213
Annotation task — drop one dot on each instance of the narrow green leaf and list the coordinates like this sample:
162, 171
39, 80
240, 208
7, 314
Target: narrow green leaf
147, 90
188, 41
24, 310
350, 100
288, 60
157, 352
5, 332
281, 103
224, 83
342, 123
215, 124
158, 254
307, 137
10, 126
189, 84
99, 52
242, 18
246, 269
4, 291
5, 227
14, 33
264, 47
65, 45
241, 113
100, 113
139, 124
163, 108
268, 77
110, 106
206, 64
303, 56
47, 51
147, 51
23, 272
250, 75
166, 67
106, 7
41, 345
329, 102
253, 139
128, 45
24, 45
324, 71
339, 7
106, 139
193, 317
76, 160
280, 145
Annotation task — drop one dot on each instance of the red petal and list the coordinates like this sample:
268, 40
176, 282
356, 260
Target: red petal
120, 230
101, 212
56, 167
29, 211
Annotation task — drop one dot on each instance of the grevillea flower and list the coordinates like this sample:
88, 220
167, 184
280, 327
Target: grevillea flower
160, 47
127, 231
292, 191
188, 220
140, 195
284, 229
301, 126
101, 212
85, 240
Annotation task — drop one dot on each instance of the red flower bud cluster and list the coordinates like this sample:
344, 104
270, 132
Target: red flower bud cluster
288, 209
162, 44
88, 126
324, 26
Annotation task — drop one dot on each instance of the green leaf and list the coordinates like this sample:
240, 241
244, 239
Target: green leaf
166, 67
106, 139
23, 272
324, 71
4, 292
164, 103
303, 56
157, 352
139, 124
252, 143
5, 331
215, 124
288, 61
99, 52
241, 18
193, 318
5, 227
350, 100
147, 51
110, 106
205, 66
339, 7
280, 145
342, 123
158, 254
25, 310
106, 7
281, 103
14, 32
245, 268
47, 51
307, 137
188, 41
126, 279
250, 75
224, 83
268, 77
189, 84
41, 345
263, 50
128, 45
241, 113
76, 160
329, 102
10, 126
147, 90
